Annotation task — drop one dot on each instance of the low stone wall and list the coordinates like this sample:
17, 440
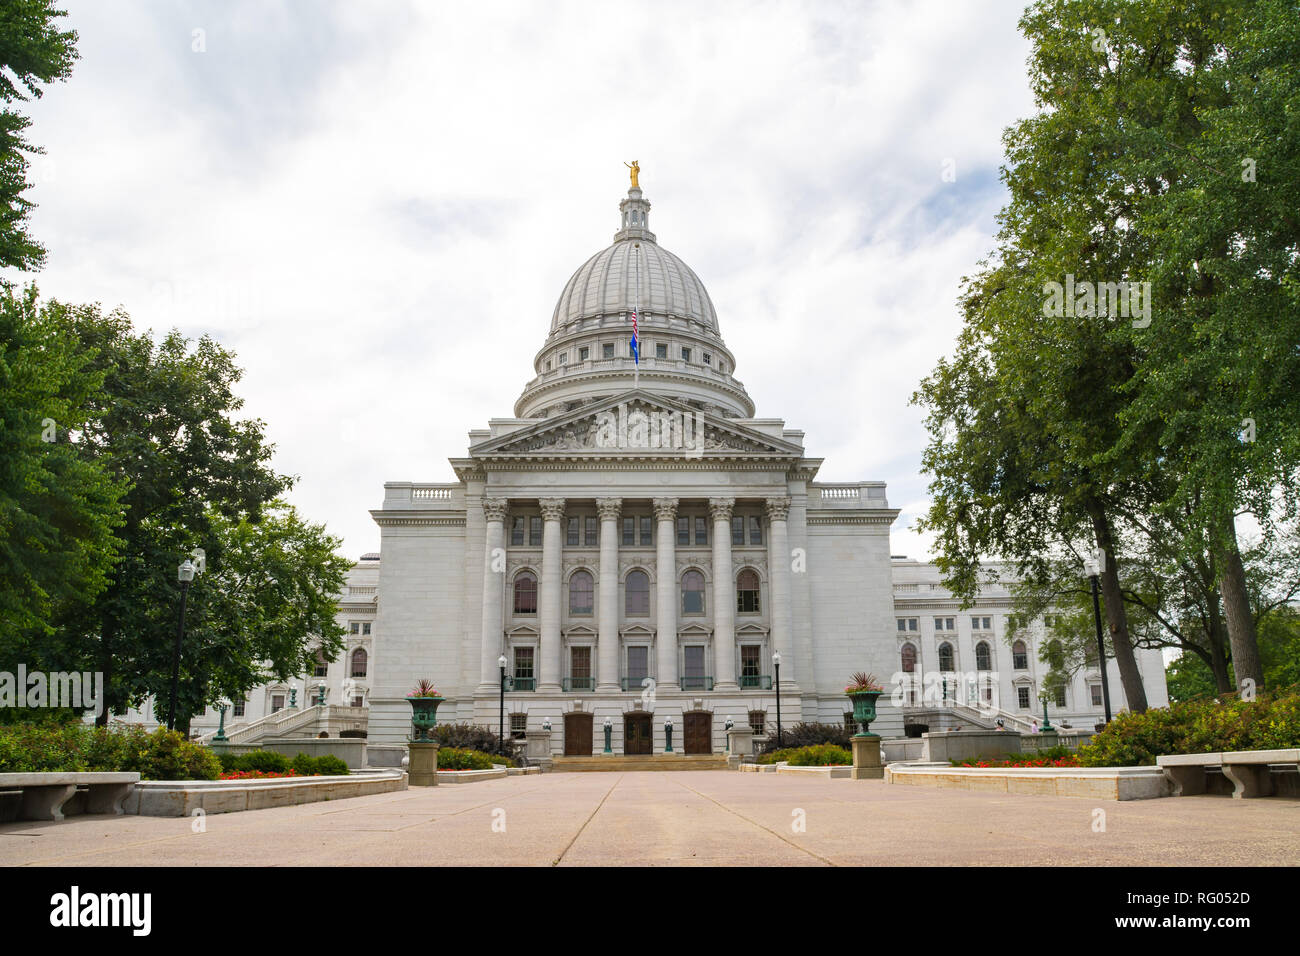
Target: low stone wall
351, 750
825, 772
386, 755
758, 768
180, 798
1095, 783
472, 776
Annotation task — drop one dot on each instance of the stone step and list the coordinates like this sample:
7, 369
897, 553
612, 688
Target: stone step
623, 763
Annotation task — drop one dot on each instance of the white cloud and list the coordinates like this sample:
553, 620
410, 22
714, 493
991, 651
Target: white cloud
377, 205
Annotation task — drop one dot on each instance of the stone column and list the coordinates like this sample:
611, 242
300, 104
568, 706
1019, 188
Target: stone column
548, 599
666, 591
780, 606
607, 619
494, 590
724, 597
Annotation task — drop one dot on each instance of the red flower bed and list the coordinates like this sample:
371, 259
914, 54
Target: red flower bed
256, 774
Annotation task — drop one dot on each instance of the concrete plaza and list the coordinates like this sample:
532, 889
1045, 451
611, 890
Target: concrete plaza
708, 817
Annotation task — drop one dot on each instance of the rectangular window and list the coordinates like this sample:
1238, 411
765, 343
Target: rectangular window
534, 531
580, 667
755, 529
661, 351
694, 660
1022, 697
277, 703
638, 659
239, 708
749, 660
981, 623
686, 355
584, 353
647, 530
592, 533
629, 530
571, 537
354, 627
701, 530
907, 623
357, 701
1060, 697
523, 663
518, 726
517, 530
563, 358
607, 350
737, 529
708, 359
758, 722
1095, 691
365, 628
850, 725
683, 530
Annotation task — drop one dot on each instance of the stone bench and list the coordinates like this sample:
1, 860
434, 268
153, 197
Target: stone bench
44, 795
1247, 769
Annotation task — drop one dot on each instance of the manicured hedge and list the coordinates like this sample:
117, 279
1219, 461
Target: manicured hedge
268, 761
1271, 722
161, 755
460, 758
819, 755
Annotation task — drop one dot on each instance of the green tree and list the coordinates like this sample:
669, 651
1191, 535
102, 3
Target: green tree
33, 51
58, 507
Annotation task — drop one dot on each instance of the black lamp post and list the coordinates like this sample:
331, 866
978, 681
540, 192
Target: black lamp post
776, 663
184, 574
1092, 567
501, 662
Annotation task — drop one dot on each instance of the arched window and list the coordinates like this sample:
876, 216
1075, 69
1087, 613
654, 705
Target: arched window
526, 593
909, 658
580, 592
983, 658
322, 665
1019, 656
747, 591
945, 657
359, 661
692, 592
637, 600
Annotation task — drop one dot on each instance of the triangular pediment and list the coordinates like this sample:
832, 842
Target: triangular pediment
636, 424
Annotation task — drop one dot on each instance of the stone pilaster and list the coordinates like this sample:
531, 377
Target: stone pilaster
781, 608
666, 591
724, 597
548, 599
494, 589
607, 608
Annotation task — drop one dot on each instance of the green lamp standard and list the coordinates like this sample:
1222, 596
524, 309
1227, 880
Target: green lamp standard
184, 574
776, 663
320, 701
668, 735
221, 725
726, 727
1047, 727
609, 736
1092, 568
293, 696
501, 716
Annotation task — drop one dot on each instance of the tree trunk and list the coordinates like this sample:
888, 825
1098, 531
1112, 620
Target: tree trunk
1246, 664
106, 633
1217, 640
1117, 617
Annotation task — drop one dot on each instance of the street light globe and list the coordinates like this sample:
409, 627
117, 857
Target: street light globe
185, 573
1091, 567
776, 658
501, 661
609, 722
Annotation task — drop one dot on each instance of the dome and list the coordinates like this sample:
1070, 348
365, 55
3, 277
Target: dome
608, 284
587, 354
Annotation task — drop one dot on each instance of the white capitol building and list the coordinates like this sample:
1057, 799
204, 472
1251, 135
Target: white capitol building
639, 545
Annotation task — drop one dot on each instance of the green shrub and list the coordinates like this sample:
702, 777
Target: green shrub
807, 735
167, 755
460, 758
1271, 722
473, 737
267, 761
821, 755
774, 756
326, 765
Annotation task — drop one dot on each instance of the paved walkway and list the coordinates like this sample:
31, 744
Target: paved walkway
708, 817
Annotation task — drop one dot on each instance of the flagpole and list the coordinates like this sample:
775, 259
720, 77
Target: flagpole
636, 298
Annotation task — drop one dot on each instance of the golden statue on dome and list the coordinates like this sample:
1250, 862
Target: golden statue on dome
636, 168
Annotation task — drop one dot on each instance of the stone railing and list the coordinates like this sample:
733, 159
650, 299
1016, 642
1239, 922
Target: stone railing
284, 723
862, 494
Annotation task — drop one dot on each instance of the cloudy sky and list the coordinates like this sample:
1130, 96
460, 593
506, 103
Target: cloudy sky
376, 205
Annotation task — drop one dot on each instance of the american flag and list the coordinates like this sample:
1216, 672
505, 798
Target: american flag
636, 349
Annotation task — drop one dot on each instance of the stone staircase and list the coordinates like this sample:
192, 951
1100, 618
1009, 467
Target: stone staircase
622, 763
294, 721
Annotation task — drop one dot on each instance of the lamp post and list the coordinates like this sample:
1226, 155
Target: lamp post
668, 735
501, 716
184, 574
726, 733
320, 700
293, 696
1047, 727
776, 663
609, 736
221, 726
1092, 567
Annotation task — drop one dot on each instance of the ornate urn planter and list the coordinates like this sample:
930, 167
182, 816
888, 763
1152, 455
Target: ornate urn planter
424, 714
864, 709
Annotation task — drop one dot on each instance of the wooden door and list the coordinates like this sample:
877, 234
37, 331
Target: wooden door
637, 737
577, 735
698, 733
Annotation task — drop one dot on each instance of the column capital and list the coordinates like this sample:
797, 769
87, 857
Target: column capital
609, 508
721, 508
666, 509
494, 509
552, 508
778, 509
